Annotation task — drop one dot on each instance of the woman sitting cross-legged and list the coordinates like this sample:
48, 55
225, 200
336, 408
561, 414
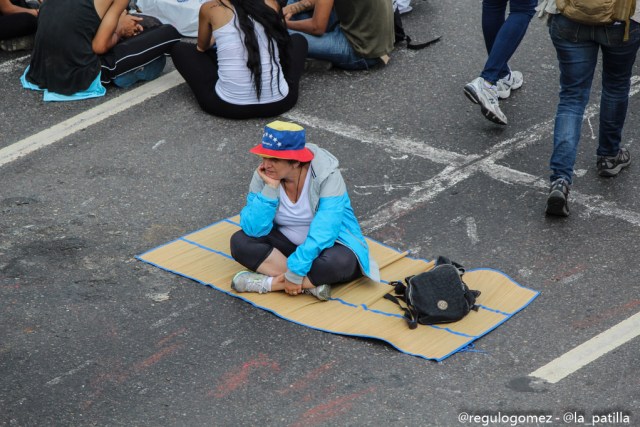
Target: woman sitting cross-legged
254, 67
299, 232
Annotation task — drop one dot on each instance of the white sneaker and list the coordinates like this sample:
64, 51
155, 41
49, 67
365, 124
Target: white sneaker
248, 281
322, 292
508, 83
404, 6
480, 92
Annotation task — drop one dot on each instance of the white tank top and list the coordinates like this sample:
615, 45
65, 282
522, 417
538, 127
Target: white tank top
294, 219
234, 84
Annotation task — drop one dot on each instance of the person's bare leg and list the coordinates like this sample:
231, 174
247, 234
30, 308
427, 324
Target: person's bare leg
274, 265
277, 283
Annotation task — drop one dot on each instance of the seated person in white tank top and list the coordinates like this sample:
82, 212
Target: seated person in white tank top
245, 64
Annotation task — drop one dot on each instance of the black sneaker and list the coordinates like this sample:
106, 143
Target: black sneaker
557, 200
612, 165
312, 64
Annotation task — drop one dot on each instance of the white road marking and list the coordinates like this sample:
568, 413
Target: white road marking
158, 296
157, 144
89, 117
13, 64
589, 351
571, 279
386, 141
395, 209
173, 315
58, 379
472, 230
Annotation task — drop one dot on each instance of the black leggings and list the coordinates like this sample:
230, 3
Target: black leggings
137, 51
337, 264
200, 71
17, 25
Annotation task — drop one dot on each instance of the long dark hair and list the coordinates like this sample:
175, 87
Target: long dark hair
275, 29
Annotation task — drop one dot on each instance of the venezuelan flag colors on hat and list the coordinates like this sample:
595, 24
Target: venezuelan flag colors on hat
283, 140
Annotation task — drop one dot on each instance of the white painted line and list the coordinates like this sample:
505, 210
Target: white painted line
472, 230
57, 380
387, 142
426, 192
89, 117
159, 143
173, 315
13, 64
589, 351
592, 204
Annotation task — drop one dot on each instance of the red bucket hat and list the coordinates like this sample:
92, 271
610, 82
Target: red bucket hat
283, 140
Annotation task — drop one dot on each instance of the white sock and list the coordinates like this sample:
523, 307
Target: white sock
267, 284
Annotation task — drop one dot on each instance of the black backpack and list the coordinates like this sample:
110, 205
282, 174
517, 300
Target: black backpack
401, 36
436, 296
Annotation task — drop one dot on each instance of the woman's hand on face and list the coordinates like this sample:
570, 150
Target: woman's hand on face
269, 181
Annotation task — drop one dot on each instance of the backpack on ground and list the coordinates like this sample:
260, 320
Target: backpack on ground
401, 36
598, 12
436, 296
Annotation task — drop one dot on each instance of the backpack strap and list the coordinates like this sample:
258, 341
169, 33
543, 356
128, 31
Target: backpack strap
418, 46
409, 315
401, 36
399, 288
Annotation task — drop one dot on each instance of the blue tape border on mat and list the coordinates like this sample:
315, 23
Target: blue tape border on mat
461, 348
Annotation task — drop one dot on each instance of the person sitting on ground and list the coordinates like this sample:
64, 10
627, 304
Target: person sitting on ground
350, 34
299, 232
82, 44
245, 64
15, 23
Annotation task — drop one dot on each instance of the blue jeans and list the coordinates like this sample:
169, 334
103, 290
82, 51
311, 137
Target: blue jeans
333, 46
503, 36
577, 49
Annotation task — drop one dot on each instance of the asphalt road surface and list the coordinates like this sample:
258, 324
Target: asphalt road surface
91, 336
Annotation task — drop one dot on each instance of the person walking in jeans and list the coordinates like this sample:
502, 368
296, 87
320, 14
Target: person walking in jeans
577, 47
501, 37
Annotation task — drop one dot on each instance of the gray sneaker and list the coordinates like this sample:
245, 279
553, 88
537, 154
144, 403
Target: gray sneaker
248, 281
487, 96
508, 83
612, 165
322, 292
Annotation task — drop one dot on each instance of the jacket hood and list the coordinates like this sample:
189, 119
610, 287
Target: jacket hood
323, 163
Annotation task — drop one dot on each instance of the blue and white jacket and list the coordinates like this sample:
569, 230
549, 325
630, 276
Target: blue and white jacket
333, 221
